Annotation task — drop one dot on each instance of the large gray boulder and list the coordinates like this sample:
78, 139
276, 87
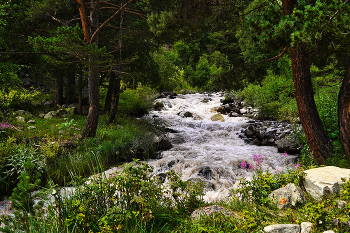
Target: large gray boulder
287, 196
324, 181
210, 210
282, 228
288, 144
48, 116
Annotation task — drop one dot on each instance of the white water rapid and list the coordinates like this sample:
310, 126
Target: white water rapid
210, 150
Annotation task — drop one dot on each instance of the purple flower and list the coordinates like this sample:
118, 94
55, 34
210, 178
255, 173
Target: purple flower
330, 140
243, 165
297, 166
285, 154
251, 167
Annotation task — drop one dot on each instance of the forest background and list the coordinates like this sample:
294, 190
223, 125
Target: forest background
289, 59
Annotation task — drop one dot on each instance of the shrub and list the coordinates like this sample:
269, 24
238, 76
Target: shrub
136, 102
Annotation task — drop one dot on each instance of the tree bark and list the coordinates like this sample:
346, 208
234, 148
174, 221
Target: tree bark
344, 112
316, 136
109, 95
91, 123
59, 90
317, 139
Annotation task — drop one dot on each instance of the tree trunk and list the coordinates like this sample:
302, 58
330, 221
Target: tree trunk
115, 103
91, 123
317, 139
109, 95
344, 112
59, 90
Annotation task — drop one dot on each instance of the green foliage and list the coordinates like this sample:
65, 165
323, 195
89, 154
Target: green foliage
170, 74
16, 97
275, 96
136, 102
262, 184
68, 41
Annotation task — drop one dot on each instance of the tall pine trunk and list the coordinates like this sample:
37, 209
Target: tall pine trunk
344, 112
316, 136
91, 123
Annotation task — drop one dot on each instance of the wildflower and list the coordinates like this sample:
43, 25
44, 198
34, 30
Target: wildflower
285, 154
251, 167
330, 140
297, 166
243, 165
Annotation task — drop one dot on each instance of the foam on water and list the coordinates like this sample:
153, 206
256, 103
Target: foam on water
210, 150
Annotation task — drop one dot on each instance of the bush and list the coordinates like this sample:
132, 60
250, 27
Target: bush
136, 102
269, 97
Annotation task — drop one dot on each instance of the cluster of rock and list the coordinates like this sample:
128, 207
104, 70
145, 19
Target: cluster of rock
271, 133
65, 110
319, 183
235, 108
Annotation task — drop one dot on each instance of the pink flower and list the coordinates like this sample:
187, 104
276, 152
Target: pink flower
297, 166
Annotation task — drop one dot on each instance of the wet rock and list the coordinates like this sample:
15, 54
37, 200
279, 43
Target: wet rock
162, 177
210, 210
243, 111
233, 114
324, 181
288, 144
287, 196
167, 103
169, 130
282, 228
164, 144
159, 106
188, 114
208, 186
206, 172
249, 133
217, 117
171, 163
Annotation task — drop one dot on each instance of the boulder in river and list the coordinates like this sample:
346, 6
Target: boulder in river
217, 117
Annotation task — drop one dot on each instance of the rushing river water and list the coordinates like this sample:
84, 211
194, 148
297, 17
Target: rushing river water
204, 149
210, 150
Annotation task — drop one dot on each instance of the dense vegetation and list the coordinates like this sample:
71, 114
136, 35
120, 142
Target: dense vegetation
287, 58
